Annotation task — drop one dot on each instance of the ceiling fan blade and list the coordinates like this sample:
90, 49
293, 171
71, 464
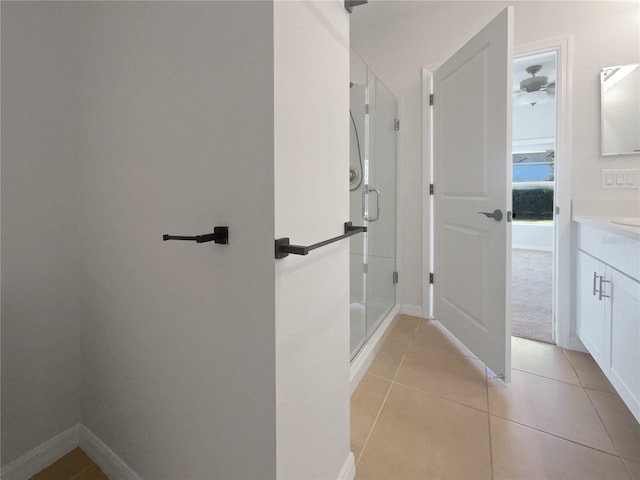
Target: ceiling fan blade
550, 89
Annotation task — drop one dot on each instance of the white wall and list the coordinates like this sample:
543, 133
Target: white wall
532, 236
40, 305
130, 120
123, 121
177, 136
398, 38
312, 204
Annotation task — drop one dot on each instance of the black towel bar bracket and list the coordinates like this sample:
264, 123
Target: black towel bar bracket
284, 248
219, 235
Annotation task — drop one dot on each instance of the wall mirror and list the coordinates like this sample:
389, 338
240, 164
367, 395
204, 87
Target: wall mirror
620, 110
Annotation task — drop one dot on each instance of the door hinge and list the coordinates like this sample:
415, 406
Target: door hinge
431, 99
365, 268
395, 277
366, 109
557, 210
431, 189
396, 124
431, 278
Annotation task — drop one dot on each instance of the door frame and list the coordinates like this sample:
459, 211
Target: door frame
565, 335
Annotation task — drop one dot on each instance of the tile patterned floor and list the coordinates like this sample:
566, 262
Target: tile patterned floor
75, 465
427, 408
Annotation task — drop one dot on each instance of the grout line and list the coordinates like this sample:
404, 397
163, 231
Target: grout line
582, 385
414, 341
373, 425
378, 376
432, 394
556, 435
604, 425
586, 391
549, 378
627, 468
384, 401
448, 341
611, 394
573, 367
486, 386
586, 387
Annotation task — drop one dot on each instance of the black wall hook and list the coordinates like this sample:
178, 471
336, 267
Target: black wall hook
219, 235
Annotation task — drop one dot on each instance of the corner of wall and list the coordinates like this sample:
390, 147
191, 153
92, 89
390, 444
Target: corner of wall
110, 463
42, 456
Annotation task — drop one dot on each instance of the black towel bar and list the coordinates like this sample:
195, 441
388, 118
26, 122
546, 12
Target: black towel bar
219, 235
283, 248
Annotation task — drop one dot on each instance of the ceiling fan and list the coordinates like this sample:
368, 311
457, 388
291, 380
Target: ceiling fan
535, 89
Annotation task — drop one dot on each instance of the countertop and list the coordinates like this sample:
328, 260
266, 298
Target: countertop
605, 222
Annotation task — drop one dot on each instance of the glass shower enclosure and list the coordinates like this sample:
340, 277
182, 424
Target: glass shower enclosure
372, 184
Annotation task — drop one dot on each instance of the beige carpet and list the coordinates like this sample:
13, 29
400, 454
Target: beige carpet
531, 295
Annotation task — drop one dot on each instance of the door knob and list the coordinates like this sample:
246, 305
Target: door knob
496, 214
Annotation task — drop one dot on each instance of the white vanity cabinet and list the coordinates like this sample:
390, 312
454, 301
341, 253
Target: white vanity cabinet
608, 305
624, 358
590, 307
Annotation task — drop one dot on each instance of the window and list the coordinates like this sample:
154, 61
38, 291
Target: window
533, 181
533, 167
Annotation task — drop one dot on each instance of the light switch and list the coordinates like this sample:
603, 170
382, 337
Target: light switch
619, 178
631, 179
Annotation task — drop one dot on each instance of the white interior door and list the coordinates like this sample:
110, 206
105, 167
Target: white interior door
472, 173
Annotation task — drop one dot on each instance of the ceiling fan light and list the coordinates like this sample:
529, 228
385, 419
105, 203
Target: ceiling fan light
531, 98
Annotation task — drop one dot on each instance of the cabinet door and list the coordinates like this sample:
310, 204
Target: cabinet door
624, 370
591, 309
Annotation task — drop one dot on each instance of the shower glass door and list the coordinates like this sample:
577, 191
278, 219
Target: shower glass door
372, 184
380, 204
357, 255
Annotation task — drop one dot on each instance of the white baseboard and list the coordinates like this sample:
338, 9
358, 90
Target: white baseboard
110, 463
574, 344
415, 310
348, 470
361, 363
42, 456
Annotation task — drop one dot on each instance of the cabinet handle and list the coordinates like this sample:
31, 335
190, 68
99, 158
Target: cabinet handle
595, 278
600, 294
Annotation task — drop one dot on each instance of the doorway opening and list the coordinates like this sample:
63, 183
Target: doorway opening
451, 284
534, 192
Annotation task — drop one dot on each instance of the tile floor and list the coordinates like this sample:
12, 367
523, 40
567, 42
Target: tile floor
75, 465
426, 408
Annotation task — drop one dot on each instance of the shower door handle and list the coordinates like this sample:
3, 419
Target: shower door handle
365, 196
